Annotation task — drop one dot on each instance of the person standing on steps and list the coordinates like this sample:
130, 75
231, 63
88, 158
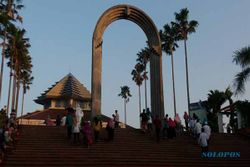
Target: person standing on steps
58, 120
116, 119
203, 141
63, 120
186, 119
165, 130
157, 124
87, 133
144, 121
207, 129
76, 129
97, 128
149, 121
69, 121
110, 129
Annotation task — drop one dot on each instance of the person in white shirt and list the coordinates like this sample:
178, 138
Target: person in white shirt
79, 114
197, 129
207, 129
192, 123
203, 141
63, 120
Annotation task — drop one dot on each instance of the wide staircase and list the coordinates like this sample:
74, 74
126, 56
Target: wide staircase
49, 147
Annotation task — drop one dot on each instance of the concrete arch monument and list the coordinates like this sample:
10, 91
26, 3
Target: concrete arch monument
139, 17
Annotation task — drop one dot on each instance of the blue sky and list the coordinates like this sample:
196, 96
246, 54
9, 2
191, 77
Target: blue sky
61, 32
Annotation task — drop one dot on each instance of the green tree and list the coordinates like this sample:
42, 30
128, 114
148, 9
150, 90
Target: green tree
26, 80
143, 58
138, 78
19, 59
185, 28
8, 14
169, 37
242, 57
125, 94
214, 102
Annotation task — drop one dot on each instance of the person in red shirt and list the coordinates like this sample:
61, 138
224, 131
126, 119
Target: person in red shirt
172, 127
157, 124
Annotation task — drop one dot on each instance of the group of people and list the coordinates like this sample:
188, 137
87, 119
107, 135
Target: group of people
201, 132
76, 125
9, 133
167, 128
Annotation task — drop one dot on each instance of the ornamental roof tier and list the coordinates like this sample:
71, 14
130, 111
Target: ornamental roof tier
67, 87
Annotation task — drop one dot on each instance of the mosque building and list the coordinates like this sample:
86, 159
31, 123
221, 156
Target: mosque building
66, 92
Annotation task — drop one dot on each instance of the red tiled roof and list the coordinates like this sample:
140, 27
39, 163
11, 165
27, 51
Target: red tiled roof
52, 113
43, 114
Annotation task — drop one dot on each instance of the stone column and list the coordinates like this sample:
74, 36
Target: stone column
96, 77
157, 103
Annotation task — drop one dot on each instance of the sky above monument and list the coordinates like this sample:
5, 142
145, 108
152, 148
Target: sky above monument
61, 32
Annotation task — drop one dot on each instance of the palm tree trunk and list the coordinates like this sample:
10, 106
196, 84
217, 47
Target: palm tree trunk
13, 92
139, 99
125, 112
146, 104
17, 95
187, 80
139, 104
2, 64
172, 64
22, 107
9, 92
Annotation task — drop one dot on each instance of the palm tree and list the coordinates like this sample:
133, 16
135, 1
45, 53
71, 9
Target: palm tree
4, 23
242, 57
138, 78
185, 27
143, 58
17, 52
169, 35
214, 102
9, 12
24, 67
26, 81
125, 94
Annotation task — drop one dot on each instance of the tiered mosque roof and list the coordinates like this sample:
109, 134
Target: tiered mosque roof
67, 87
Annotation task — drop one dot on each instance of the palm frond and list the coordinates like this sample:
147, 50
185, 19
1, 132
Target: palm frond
240, 79
242, 57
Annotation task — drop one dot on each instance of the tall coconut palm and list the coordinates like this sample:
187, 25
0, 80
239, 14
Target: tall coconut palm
169, 37
143, 58
138, 78
185, 28
242, 57
24, 67
17, 52
125, 94
27, 80
9, 12
4, 23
